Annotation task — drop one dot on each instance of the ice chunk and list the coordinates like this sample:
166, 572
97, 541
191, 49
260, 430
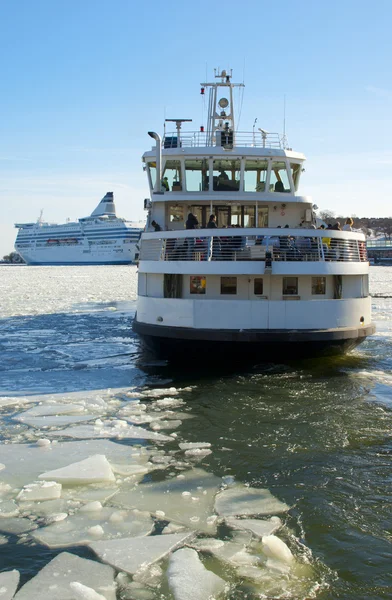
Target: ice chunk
191, 445
130, 432
130, 554
82, 592
207, 544
167, 496
91, 470
243, 500
43, 442
25, 462
82, 527
276, 549
52, 420
54, 580
9, 581
259, 527
169, 402
8, 508
16, 525
189, 579
198, 452
40, 490
90, 493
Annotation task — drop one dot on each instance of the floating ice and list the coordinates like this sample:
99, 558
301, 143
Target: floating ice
191, 445
166, 402
130, 554
259, 527
198, 452
243, 500
54, 580
276, 549
128, 432
41, 490
85, 526
82, 592
167, 496
16, 525
25, 462
231, 548
188, 578
207, 544
9, 581
43, 442
91, 470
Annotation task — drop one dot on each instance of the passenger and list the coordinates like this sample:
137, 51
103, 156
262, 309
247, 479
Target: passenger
191, 222
212, 222
349, 224
279, 187
223, 175
165, 184
156, 226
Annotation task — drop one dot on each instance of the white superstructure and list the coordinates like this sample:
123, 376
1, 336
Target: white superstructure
101, 238
263, 278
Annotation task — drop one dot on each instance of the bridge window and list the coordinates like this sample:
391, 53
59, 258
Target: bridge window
176, 213
318, 286
229, 285
171, 178
255, 175
295, 172
279, 181
226, 175
152, 173
197, 175
198, 285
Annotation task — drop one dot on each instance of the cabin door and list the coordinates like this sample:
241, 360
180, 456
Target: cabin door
258, 294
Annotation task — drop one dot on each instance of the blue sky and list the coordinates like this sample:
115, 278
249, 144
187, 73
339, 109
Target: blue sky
83, 81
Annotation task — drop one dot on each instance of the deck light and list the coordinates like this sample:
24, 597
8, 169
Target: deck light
202, 128
202, 91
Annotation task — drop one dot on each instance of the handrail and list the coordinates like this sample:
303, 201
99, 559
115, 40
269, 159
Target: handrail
271, 246
197, 139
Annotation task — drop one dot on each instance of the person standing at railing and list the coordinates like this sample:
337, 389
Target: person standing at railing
349, 224
191, 223
156, 226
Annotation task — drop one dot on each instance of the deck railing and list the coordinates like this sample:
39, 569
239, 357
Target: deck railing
192, 139
208, 245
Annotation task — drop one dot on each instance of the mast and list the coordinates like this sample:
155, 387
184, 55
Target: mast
220, 120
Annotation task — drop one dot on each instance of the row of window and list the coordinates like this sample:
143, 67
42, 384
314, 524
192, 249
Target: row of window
224, 175
228, 285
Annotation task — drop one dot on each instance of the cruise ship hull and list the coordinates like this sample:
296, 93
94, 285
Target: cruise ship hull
184, 344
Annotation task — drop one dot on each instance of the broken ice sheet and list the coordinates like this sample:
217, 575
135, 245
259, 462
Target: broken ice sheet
90, 470
131, 554
40, 490
88, 526
52, 415
9, 581
244, 500
259, 527
53, 581
16, 525
25, 462
104, 431
188, 500
189, 579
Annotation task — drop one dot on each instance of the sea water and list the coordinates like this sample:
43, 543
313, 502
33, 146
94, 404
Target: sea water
274, 480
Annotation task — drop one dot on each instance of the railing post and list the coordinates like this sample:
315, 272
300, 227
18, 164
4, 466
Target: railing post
321, 249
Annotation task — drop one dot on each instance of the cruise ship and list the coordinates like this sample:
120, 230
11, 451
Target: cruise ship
100, 239
232, 260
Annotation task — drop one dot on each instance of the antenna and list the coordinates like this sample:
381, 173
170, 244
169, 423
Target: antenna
284, 119
254, 125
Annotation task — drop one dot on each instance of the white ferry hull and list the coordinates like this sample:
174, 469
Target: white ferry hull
78, 256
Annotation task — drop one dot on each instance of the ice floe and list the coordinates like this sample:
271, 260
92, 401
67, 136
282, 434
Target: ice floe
90, 470
109, 430
41, 490
259, 527
54, 580
86, 526
82, 592
188, 500
189, 579
9, 581
132, 554
244, 500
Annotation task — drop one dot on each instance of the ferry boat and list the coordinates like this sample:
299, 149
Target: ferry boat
231, 260
100, 239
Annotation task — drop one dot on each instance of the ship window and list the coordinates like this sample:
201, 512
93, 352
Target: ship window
318, 286
226, 175
229, 285
196, 174
176, 213
290, 286
279, 181
295, 172
198, 284
172, 172
152, 172
255, 175
258, 286
172, 285
244, 215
